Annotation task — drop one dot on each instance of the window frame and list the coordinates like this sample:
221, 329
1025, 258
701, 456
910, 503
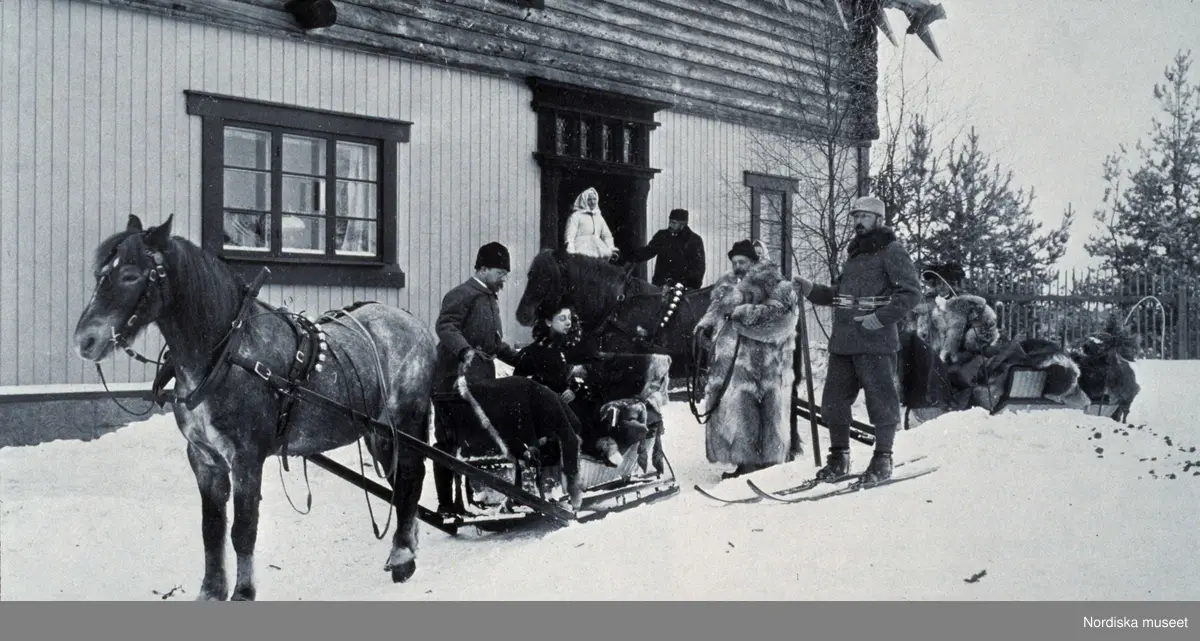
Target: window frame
219, 111
759, 185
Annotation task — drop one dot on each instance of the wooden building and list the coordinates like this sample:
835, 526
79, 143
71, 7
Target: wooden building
370, 158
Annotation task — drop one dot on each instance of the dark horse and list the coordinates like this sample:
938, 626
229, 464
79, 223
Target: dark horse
380, 362
620, 313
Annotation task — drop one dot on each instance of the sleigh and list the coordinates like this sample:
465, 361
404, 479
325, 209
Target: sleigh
540, 477
1013, 376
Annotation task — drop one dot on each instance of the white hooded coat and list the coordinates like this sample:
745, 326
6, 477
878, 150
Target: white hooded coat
587, 231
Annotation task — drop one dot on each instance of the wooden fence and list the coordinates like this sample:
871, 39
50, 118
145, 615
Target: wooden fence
1161, 311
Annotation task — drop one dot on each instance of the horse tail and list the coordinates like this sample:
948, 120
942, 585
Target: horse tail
464, 390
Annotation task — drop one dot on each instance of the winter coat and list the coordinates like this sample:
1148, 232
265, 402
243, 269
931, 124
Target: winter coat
877, 267
470, 318
756, 317
550, 363
587, 231
588, 234
680, 257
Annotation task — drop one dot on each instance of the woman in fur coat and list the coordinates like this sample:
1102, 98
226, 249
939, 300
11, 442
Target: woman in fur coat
753, 313
587, 232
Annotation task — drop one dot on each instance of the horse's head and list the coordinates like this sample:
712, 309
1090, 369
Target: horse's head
545, 280
130, 269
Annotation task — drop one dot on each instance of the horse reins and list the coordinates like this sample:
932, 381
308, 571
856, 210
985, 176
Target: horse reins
693, 381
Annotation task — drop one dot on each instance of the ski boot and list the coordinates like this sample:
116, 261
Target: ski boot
879, 469
838, 464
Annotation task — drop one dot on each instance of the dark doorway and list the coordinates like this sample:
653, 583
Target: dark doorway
588, 138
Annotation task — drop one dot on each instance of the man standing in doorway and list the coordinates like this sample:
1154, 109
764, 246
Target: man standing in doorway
680, 253
877, 288
471, 334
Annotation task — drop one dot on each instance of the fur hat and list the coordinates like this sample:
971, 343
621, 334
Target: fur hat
744, 248
492, 255
868, 204
679, 214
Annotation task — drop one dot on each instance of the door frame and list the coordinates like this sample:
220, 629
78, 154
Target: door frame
581, 129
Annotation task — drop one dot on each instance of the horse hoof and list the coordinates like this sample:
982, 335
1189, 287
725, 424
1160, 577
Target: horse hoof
404, 571
210, 596
244, 594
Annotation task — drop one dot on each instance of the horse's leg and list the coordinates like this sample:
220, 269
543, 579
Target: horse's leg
247, 492
555, 415
212, 478
407, 479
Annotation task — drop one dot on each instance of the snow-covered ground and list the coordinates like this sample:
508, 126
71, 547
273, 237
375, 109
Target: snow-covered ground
1051, 504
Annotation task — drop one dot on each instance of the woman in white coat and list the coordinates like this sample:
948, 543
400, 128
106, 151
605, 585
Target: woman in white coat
587, 231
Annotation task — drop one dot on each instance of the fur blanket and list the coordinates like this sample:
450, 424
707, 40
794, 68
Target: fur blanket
754, 317
928, 382
1062, 373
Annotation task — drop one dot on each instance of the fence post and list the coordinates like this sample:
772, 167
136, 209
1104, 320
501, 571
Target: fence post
1181, 320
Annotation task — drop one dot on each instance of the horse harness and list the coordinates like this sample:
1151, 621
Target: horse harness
671, 299
309, 357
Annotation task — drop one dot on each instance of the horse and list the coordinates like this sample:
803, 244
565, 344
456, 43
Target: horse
620, 313
368, 356
1106, 373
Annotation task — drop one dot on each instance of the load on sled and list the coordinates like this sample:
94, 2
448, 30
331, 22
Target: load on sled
599, 454
952, 357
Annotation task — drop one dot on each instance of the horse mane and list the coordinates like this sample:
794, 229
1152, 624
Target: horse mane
596, 281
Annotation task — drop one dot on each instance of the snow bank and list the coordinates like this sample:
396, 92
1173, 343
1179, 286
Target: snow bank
1052, 504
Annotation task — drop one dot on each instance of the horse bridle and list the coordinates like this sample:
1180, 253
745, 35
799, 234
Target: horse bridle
645, 339
156, 282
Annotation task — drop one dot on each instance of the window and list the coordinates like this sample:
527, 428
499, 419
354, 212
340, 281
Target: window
771, 215
310, 194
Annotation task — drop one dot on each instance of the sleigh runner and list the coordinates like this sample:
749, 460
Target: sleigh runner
478, 412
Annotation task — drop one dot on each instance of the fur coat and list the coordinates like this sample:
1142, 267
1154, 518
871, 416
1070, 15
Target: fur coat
756, 317
957, 328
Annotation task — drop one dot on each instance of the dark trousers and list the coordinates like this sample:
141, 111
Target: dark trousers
875, 376
443, 478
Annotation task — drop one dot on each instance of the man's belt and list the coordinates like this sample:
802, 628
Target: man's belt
861, 303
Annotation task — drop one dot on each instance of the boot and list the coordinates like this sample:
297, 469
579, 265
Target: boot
838, 464
880, 468
443, 480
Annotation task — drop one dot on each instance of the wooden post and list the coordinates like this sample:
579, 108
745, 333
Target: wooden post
1181, 320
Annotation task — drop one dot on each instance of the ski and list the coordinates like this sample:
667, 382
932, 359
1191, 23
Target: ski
707, 494
850, 489
796, 489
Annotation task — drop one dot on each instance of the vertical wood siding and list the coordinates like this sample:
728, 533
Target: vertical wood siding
94, 127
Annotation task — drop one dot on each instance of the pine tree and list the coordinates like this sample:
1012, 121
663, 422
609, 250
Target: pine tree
1153, 223
969, 213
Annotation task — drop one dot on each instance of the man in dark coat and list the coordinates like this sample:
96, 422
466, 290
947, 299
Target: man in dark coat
470, 333
680, 253
877, 288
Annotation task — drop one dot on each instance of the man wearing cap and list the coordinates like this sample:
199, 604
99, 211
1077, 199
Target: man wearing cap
877, 288
680, 253
470, 333
751, 324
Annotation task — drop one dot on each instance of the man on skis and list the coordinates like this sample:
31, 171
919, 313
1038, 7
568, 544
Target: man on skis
877, 288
